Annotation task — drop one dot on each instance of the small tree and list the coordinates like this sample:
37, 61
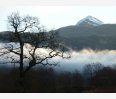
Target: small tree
91, 69
36, 46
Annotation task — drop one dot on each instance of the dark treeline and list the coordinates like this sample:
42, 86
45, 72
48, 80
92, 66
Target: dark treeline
94, 78
75, 43
9, 36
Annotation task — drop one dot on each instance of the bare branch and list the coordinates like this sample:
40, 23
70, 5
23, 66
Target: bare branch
36, 40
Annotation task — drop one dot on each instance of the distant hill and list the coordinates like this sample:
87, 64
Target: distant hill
88, 35
5, 36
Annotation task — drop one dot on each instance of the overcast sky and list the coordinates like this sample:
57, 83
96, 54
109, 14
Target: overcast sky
53, 17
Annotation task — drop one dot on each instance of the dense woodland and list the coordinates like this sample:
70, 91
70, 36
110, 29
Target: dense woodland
94, 78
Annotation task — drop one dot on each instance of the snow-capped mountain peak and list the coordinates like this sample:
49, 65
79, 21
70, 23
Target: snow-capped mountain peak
89, 20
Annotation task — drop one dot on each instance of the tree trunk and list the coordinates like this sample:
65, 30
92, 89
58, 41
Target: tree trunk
21, 60
21, 52
21, 78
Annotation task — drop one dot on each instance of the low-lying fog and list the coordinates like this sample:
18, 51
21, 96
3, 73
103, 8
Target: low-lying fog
81, 58
87, 56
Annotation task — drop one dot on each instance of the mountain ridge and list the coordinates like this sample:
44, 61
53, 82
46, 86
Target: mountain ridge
94, 37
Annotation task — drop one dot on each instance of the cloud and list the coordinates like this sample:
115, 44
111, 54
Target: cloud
87, 56
78, 59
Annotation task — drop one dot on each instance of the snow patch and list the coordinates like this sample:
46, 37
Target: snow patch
90, 21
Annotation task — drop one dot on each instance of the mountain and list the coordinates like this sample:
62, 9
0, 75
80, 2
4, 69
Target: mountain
89, 32
89, 21
94, 35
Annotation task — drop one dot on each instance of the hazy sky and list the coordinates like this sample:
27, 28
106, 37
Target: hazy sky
53, 17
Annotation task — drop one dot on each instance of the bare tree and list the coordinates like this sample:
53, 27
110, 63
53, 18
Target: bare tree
91, 69
36, 46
